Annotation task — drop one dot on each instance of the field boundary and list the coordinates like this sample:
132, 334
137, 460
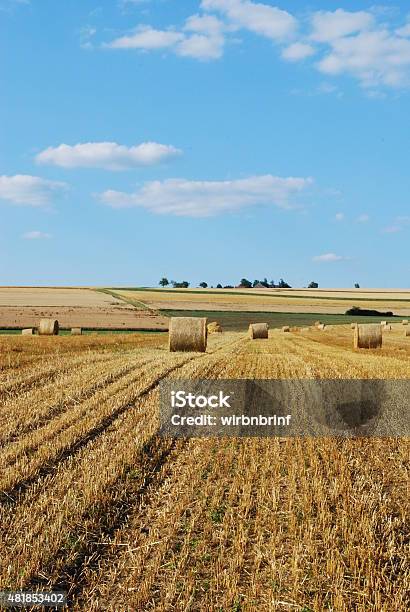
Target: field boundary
252, 293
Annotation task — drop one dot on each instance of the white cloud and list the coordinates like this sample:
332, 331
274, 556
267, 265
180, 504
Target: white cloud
297, 51
339, 216
29, 190
107, 155
404, 31
398, 225
202, 39
206, 41
375, 58
263, 19
36, 235
201, 47
328, 257
392, 229
183, 197
147, 38
329, 26
362, 44
364, 218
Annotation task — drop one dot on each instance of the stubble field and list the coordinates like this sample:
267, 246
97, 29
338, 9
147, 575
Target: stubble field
94, 502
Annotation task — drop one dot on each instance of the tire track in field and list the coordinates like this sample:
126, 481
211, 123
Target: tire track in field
73, 576
13, 495
116, 506
65, 405
36, 379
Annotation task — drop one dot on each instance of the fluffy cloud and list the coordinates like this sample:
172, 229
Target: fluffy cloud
147, 38
201, 38
263, 19
329, 26
209, 198
36, 235
362, 44
297, 51
375, 57
29, 190
339, 216
328, 257
107, 155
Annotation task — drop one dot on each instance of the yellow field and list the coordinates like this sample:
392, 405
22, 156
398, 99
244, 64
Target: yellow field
94, 502
272, 300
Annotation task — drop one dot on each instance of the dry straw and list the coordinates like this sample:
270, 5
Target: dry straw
407, 333
286, 328
214, 328
353, 325
48, 327
188, 334
258, 331
27, 332
318, 323
368, 336
76, 331
405, 322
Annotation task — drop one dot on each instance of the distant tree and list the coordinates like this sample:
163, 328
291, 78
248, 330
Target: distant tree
255, 282
265, 282
283, 285
228, 287
177, 285
203, 285
313, 285
164, 282
219, 286
272, 284
245, 283
356, 286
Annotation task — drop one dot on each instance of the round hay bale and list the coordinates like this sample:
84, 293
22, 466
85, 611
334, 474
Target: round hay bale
383, 323
368, 336
188, 334
353, 325
318, 323
258, 331
407, 333
405, 322
214, 328
321, 326
27, 332
76, 331
48, 327
286, 328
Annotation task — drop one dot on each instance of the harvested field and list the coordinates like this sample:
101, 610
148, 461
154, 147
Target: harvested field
86, 308
92, 501
269, 300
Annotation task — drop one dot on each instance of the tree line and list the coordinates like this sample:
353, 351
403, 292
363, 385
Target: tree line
243, 284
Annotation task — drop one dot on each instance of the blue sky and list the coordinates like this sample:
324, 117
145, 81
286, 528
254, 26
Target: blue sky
204, 140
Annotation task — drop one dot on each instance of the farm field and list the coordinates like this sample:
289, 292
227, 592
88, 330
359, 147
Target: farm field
239, 320
73, 307
269, 300
92, 501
